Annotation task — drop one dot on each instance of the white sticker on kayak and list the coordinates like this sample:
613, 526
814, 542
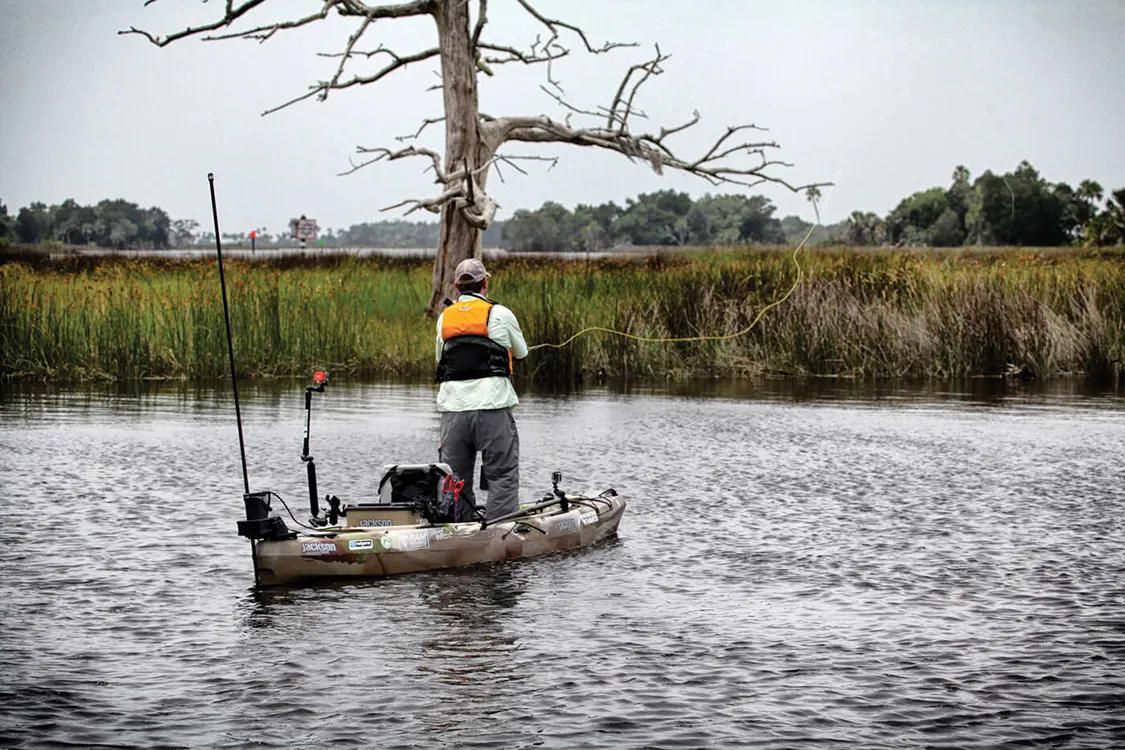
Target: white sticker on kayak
567, 525
318, 548
415, 540
360, 544
386, 542
589, 518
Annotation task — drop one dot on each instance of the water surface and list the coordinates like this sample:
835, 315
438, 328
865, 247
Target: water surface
800, 565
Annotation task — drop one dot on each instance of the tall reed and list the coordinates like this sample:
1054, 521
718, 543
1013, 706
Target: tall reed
875, 313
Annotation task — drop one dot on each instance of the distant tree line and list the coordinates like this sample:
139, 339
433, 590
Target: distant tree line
393, 233
111, 223
1015, 208
665, 217
126, 226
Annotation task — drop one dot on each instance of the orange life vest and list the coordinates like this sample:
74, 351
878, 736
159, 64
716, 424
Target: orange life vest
468, 318
468, 352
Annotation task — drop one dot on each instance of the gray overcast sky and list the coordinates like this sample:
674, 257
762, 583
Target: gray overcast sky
885, 97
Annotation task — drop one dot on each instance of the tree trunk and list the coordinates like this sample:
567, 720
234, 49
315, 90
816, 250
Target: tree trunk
458, 238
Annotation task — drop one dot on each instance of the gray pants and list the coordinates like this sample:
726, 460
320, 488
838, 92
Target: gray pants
493, 433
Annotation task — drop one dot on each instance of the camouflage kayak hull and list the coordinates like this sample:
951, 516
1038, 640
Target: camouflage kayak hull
357, 552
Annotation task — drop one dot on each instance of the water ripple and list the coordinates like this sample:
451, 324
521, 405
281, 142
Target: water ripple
871, 572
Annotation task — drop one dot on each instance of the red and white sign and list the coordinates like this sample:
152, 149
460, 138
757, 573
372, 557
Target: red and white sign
304, 229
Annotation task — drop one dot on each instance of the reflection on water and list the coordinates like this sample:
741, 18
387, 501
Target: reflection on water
819, 562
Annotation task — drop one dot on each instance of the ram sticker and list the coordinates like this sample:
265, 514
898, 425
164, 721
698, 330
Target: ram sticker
414, 540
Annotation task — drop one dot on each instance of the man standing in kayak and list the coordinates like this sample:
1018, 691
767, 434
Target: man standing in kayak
476, 341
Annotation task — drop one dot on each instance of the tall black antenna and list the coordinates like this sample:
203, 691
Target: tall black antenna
230, 341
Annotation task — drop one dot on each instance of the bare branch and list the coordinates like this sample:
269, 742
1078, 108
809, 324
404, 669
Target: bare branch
554, 25
265, 31
310, 93
511, 161
385, 154
515, 55
461, 173
664, 132
462, 191
433, 205
396, 63
711, 155
348, 51
726, 161
540, 51
647, 69
231, 15
652, 149
481, 212
482, 19
425, 123
567, 105
320, 89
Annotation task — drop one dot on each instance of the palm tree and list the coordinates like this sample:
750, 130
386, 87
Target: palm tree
1089, 190
813, 196
1088, 195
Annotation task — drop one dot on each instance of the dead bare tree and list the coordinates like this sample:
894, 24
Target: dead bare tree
473, 139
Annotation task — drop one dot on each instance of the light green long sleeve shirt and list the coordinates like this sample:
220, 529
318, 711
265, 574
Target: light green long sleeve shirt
484, 393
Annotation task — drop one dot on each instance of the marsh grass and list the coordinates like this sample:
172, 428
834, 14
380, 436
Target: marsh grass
865, 314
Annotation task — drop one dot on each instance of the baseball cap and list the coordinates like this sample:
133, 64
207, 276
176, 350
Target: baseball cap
470, 270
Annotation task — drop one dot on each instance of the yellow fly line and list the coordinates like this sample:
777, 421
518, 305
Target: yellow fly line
722, 337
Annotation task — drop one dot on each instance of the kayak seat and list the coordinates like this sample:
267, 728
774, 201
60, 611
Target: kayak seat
420, 485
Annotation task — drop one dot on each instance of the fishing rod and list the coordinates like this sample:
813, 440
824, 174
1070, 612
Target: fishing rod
230, 338
259, 524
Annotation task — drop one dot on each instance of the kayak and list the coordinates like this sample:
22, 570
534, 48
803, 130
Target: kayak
361, 547
416, 519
